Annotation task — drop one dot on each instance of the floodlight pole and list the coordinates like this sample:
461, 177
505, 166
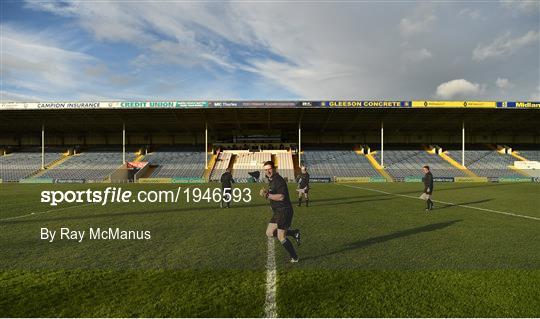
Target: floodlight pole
382, 144
206, 145
463, 143
124, 142
42, 146
299, 144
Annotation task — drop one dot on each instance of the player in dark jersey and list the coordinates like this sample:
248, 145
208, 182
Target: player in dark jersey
303, 186
282, 210
226, 187
428, 187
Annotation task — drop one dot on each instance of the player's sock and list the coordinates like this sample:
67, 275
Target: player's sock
427, 203
430, 204
292, 232
299, 201
289, 248
307, 202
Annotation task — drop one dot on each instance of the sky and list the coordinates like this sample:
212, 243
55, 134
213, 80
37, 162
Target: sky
269, 50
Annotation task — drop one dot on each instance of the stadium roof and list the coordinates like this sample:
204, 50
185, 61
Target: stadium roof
318, 120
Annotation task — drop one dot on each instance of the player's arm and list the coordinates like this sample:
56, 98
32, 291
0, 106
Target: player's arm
276, 197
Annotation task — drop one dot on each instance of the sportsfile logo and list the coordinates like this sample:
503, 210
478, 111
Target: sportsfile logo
120, 195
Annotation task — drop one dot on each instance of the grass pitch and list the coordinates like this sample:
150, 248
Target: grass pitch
368, 250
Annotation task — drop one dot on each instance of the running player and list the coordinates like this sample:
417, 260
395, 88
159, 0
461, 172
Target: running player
282, 210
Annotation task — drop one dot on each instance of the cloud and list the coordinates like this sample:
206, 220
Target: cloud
28, 62
421, 21
527, 7
257, 50
18, 97
504, 83
473, 14
417, 55
457, 88
535, 96
504, 46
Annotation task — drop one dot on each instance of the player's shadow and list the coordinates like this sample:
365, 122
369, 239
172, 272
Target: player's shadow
461, 204
337, 203
381, 239
457, 187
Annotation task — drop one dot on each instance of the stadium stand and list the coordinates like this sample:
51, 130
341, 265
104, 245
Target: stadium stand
16, 166
222, 163
285, 165
403, 163
342, 163
176, 163
249, 162
530, 155
88, 166
487, 163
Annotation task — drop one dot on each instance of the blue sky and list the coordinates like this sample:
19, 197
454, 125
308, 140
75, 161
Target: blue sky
169, 50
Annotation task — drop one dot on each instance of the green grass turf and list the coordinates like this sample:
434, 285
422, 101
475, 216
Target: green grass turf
364, 254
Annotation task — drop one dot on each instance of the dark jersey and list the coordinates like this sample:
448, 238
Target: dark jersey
226, 180
428, 182
279, 186
303, 180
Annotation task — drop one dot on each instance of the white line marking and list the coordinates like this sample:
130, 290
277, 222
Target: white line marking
270, 308
447, 203
43, 212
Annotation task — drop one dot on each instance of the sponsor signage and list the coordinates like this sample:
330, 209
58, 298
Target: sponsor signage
534, 105
462, 179
320, 179
154, 180
374, 104
69, 181
453, 104
188, 180
443, 179
413, 179
163, 104
353, 179
265, 104
514, 179
37, 180
377, 180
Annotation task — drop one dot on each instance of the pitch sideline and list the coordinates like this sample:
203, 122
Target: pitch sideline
43, 212
270, 307
448, 203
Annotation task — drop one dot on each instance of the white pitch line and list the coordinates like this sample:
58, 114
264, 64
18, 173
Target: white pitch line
447, 203
270, 308
43, 212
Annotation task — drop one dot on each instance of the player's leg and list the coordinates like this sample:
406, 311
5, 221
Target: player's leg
294, 233
300, 197
271, 230
229, 197
222, 203
430, 202
286, 243
306, 194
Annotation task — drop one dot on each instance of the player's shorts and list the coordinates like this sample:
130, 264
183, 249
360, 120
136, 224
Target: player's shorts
425, 196
226, 191
283, 219
303, 190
